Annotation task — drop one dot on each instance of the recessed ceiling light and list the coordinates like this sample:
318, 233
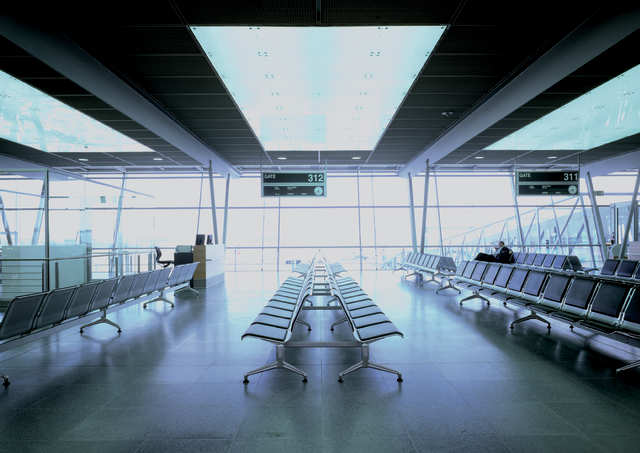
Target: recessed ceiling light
552, 157
478, 157
447, 114
281, 158
157, 158
82, 159
356, 157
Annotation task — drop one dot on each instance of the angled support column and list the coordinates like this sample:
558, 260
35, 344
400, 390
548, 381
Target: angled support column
604, 253
412, 215
517, 210
214, 219
435, 183
226, 210
5, 222
425, 203
566, 224
588, 229
37, 227
632, 208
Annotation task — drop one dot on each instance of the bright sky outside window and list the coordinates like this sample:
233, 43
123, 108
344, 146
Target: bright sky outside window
32, 118
605, 114
318, 88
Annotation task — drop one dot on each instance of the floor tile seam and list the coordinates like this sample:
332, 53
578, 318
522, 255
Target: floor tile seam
585, 431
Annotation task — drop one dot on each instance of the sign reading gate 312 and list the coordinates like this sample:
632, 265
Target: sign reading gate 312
292, 184
548, 182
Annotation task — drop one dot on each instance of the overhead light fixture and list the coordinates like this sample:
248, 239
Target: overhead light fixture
552, 157
447, 114
35, 119
603, 115
82, 159
356, 158
478, 157
281, 158
337, 87
158, 158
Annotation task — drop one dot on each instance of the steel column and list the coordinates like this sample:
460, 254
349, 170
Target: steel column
359, 220
47, 238
375, 239
566, 224
226, 210
627, 227
555, 218
38, 224
5, 222
526, 236
213, 204
278, 248
116, 229
199, 203
588, 229
435, 183
425, 203
517, 209
597, 218
412, 215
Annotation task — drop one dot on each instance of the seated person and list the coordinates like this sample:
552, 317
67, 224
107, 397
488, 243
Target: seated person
503, 255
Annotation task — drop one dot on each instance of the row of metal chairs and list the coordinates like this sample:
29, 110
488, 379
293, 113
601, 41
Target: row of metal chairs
34, 313
416, 263
279, 316
365, 318
622, 269
598, 304
549, 261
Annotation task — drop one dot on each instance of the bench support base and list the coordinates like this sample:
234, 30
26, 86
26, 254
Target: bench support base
5, 380
338, 322
532, 316
102, 320
449, 285
189, 288
364, 363
279, 363
161, 298
475, 295
629, 366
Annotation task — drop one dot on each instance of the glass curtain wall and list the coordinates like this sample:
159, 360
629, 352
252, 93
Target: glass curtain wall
466, 214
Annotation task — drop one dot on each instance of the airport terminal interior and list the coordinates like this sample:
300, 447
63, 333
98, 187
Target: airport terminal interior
320, 226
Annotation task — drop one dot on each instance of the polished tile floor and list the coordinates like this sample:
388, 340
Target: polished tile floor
172, 381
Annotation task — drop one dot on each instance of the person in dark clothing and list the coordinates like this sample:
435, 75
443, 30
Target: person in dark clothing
503, 255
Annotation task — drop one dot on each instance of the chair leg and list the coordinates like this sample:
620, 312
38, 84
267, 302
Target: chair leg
449, 285
338, 322
161, 298
475, 295
364, 363
188, 288
279, 363
532, 316
5, 380
304, 323
629, 366
102, 320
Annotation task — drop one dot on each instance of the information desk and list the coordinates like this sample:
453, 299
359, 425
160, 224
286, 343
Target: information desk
210, 272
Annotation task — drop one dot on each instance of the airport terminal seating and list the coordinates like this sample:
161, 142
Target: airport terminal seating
549, 261
277, 319
604, 304
367, 322
417, 264
28, 316
621, 269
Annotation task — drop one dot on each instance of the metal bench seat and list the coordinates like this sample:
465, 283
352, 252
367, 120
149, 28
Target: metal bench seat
54, 307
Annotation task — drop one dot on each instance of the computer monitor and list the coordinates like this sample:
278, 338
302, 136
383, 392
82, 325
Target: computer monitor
199, 239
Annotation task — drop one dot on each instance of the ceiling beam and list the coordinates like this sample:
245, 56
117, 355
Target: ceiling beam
580, 46
66, 57
625, 162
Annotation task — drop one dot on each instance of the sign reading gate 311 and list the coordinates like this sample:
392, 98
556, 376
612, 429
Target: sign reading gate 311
548, 182
294, 184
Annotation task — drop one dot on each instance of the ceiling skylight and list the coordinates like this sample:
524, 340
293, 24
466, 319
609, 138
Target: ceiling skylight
32, 118
605, 114
318, 88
